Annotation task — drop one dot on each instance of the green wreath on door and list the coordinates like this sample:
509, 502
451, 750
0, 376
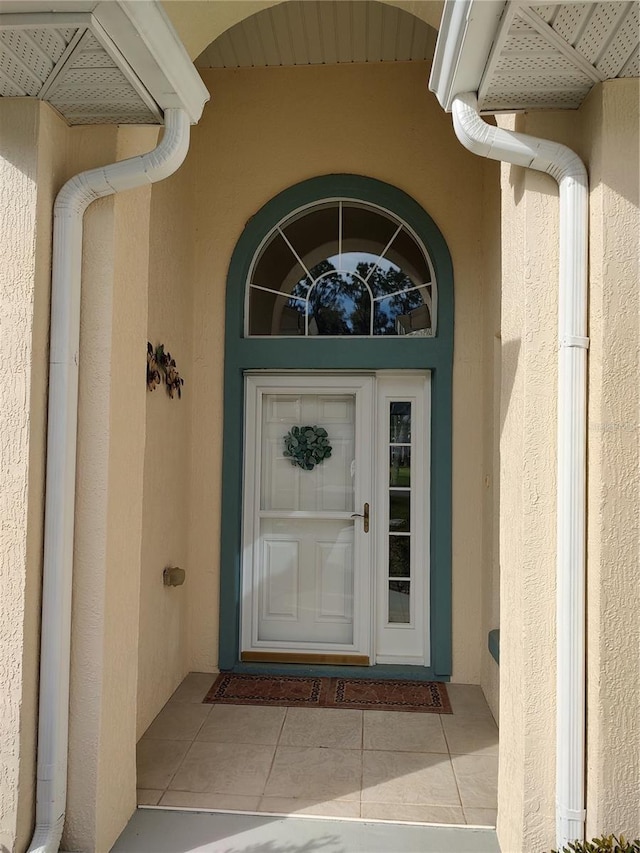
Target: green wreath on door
307, 446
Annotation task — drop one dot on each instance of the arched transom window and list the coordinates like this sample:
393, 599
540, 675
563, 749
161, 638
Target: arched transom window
341, 268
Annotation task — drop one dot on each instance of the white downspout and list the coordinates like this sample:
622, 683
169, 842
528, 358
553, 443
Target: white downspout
72, 201
569, 171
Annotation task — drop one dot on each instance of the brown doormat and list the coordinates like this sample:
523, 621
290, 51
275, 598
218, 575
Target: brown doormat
356, 693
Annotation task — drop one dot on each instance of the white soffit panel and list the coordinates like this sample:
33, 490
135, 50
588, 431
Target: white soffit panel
92, 89
70, 62
316, 32
29, 56
98, 63
550, 56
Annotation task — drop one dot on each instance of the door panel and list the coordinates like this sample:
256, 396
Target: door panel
314, 578
306, 564
305, 576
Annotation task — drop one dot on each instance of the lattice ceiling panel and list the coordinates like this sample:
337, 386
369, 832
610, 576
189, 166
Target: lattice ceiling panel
550, 56
28, 57
75, 72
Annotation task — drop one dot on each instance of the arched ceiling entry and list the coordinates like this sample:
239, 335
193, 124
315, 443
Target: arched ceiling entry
200, 22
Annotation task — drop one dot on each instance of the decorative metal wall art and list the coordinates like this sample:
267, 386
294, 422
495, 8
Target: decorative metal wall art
162, 367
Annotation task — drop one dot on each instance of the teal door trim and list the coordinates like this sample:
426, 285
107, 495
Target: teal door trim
434, 354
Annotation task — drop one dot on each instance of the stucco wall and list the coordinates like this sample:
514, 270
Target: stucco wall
605, 133
610, 141
18, 185
491, 425
32, 167
164, 620
265, 130
527, 502
111, 441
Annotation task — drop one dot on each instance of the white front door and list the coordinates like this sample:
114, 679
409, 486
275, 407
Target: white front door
335, 546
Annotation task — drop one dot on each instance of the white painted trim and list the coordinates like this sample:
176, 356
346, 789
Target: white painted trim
569, 171
464, 40
35, 20
66, 281
400, 643
146, 38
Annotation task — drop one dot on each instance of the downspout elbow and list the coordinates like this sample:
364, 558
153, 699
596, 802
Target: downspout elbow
156, 165
520, 149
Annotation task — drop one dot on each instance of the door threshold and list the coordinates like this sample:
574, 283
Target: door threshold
305, 658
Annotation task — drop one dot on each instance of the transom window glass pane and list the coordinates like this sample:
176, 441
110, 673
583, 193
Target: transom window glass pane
342, 268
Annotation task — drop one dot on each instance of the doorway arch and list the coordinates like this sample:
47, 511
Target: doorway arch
434, 354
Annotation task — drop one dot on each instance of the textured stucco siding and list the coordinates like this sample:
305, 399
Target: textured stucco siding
32, 167
527, 506
611, 142
491, 424
605, 134
111, 446
18, 199
164, 611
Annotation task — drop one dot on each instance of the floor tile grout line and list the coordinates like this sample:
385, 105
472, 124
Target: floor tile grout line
173, 775
273, 757
180, 763
455, 779
446, 739
201, 726
281, 732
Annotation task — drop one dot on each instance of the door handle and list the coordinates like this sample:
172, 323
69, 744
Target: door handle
364, 515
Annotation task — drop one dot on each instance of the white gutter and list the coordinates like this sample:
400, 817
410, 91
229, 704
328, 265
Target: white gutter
72, 201
465, 37
569, 171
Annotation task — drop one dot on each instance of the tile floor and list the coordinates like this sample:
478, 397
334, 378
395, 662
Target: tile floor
390, 765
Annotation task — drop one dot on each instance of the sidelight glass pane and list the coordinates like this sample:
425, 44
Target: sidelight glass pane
399, 556
400, 466
399, 602
399, 510
400, 423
